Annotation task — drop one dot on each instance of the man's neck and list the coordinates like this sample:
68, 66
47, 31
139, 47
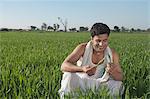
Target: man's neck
98, 52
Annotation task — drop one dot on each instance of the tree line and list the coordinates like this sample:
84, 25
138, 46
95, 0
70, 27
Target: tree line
56, 28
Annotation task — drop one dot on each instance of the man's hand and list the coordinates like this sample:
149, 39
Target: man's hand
111, 68
90, 70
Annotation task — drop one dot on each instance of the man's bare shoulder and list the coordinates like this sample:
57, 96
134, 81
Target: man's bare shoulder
80, 48
82, 45
115, 56
113, 50
114, 53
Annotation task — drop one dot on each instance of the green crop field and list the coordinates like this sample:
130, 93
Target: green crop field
30, 63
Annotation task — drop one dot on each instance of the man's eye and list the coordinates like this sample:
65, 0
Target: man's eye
98, 41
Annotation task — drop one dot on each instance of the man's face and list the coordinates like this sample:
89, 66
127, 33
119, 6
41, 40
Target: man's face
100, 42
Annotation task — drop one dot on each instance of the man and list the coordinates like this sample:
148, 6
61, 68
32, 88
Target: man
86, 66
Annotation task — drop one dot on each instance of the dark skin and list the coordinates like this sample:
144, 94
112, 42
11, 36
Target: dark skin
100, 43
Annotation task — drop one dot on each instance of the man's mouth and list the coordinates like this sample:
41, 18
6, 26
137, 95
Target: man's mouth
99, 47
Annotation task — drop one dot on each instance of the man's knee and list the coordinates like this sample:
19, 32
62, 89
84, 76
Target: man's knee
116, 87
114, 84
68, 75
66, 81
119, 84
119, 87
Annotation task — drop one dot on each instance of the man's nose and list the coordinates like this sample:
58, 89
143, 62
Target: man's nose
100, 43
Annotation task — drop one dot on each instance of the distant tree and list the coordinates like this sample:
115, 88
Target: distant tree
33, 27
63, 23
55, 27
86, 28
83, 28
148, 29
49, 28
72, 30
37, 29
44, 26
4, 29
132, 30
116, 29
123, 29
139, 30
61, 30
58, 26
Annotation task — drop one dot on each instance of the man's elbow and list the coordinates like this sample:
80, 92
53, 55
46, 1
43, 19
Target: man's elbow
63, 66
120, 78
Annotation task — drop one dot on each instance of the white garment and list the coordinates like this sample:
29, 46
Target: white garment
87, 60
72, 81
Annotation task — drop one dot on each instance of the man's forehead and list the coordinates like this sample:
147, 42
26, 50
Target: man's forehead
101, 36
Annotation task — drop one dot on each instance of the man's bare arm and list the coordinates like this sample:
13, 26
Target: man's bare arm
115, 69
69, 63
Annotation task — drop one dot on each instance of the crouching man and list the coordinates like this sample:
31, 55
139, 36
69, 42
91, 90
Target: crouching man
92, 64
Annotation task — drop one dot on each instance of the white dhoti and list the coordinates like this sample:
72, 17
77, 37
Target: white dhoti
73, 81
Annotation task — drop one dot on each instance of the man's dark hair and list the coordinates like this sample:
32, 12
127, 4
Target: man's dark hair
99, 28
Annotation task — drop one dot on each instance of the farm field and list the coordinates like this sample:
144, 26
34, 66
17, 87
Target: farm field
30, 62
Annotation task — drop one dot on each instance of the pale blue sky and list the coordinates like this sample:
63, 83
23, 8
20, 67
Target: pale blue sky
24, 13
